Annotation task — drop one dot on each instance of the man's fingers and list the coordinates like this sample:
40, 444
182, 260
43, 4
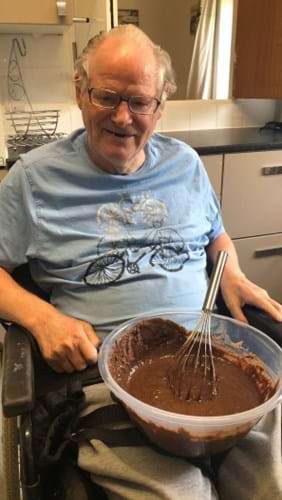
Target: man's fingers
61, 366
271, 307
73, 349
68, 359
238, 314
92, 336
235, 309
88, 351
237, 293
77, 359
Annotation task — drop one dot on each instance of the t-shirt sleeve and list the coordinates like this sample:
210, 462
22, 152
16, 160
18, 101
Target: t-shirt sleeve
217, 227
211, 206
17, 218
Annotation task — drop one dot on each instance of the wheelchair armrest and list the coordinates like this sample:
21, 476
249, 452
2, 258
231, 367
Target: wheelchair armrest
261, 320
26, 374
18, 377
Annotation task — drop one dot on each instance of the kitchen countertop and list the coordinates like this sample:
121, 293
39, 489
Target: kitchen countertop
217, 141
229, 140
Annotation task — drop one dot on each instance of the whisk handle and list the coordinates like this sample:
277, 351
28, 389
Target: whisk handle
215, 281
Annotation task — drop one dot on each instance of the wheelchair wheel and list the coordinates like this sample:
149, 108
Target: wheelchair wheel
10, 459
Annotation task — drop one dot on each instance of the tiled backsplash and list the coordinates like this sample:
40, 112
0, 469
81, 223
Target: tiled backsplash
46, 69
47, 75
194, 115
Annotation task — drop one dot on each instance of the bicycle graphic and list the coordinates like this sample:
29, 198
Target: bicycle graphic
166, 247
127, 211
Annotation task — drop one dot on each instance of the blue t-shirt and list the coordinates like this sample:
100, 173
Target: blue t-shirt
110, 247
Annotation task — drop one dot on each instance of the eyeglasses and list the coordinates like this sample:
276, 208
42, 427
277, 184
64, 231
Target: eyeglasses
108, 99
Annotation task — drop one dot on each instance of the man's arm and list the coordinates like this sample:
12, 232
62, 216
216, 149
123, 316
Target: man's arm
66, 343
236, 289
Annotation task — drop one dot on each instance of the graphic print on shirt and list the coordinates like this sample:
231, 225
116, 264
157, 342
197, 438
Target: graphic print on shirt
118, 252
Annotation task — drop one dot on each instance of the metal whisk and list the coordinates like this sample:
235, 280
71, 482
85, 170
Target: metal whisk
193, 376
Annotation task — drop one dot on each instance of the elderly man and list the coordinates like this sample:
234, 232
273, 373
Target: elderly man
115, 221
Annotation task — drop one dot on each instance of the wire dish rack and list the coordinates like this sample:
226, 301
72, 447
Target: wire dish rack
33, 122
18, 144
28, 122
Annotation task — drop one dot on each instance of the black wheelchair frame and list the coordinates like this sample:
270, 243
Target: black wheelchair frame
26, 375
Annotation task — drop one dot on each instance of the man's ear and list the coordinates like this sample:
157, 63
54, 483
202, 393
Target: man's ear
78, 94
160, 109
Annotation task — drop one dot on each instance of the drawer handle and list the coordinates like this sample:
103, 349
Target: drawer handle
275, 170
267, 252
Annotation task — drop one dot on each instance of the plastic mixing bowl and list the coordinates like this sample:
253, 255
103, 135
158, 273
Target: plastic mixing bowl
193, 436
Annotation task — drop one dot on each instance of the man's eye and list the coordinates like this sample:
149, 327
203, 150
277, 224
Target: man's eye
107, 99
141, 102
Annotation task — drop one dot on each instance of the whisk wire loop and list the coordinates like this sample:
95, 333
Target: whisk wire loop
194, 376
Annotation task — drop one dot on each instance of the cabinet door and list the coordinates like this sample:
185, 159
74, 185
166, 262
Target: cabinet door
257, 68
213, 165
252, 193
100, 20
34, 12
261, 260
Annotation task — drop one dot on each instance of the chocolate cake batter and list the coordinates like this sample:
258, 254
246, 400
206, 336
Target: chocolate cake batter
236, 390
145, 360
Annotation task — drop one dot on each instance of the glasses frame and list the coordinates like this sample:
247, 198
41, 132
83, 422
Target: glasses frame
120, 99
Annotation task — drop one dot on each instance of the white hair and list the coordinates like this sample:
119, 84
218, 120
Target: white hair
166, 74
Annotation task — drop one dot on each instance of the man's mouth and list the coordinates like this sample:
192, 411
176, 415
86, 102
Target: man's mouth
119, 134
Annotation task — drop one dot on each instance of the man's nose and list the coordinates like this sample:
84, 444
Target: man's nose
122, 114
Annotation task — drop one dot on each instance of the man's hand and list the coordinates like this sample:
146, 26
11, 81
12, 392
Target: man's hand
237, 291
67, 344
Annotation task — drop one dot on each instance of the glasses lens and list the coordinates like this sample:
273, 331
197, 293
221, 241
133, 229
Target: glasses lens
104, 98
143, 105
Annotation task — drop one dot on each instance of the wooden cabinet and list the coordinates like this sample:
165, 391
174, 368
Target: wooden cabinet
89, 17
257, 71
213, 165
252, 214
15, 12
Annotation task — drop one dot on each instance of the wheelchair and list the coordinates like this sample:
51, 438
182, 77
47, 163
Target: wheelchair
26, 376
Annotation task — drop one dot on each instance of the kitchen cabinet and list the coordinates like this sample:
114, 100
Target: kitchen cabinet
15, 12
98, 13
251, 197
257, 71
261, 260
252, 207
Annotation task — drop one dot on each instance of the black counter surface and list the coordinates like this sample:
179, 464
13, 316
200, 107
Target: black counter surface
217, 141
229, 140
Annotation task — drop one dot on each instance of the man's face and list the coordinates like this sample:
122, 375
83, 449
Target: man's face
116, 138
